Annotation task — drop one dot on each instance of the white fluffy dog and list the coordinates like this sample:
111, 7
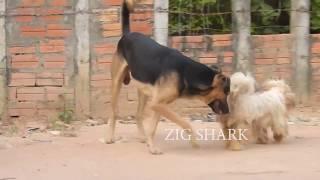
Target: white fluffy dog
257, 111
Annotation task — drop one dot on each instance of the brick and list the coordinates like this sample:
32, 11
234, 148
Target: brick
33, 31
263, 69
283, 61
315, 45
208, 60
26, 65
24, 58
141, 16
32, 28
282, 37
12, 93
142, 27
109, 18
105, 59
265, 55
315, 60
22, 105
107, 48
194, 39
283, 68
46, 75
207, 54
227, 60
54, 42
194, 45
49, 82
52, 18
30, 90
111, 26
101, 83
228, 54
30, 97
59, 90
32, 3
222, 37
59, 3
264, 61
58, 33
23, 76
56, 97
54, 65
23, 19
101, 76
315, 50
51, 11
22, 50
283, 53
22, 82
54, 58
23, 11
176, 39
34, 34
48, 48
47, 112
176, 45
58, 27
222, 43
150, 2
22, 112
111, 33
112, 2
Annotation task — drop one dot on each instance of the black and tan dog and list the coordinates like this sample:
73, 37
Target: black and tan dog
163, 75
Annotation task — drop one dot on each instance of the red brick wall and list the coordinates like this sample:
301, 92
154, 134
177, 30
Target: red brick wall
315, 67
271, 55
41, 47
40, 57
103, 45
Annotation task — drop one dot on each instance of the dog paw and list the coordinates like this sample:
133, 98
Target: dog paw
155, 151
194, 144
111, 140
235, 146
278, 138
262, 141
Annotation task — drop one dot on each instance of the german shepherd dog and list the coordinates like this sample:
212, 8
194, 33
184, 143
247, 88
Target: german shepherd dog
163, 75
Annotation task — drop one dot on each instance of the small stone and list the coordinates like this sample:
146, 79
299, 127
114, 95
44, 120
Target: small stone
55, 133
69, 134
90, 122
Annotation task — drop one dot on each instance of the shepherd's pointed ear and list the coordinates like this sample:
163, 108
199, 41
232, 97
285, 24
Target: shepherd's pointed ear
215, 68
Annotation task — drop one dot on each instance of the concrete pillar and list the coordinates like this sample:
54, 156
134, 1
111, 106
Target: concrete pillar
241, 34
3, 61
82, 60
161, 21
300, 30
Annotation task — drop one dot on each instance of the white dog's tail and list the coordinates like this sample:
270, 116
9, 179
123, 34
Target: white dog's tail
289, 96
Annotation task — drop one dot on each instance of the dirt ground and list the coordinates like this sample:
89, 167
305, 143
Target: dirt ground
45, 156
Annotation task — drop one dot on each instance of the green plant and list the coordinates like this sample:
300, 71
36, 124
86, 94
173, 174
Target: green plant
194, 17
270, 17
66, 116
315, 16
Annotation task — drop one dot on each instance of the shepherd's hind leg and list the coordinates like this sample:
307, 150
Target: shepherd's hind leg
119, 70
142, 101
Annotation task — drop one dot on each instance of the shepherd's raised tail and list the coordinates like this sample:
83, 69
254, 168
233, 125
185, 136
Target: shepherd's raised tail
127, 8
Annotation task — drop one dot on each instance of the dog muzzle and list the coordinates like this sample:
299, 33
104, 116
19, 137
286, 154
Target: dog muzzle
219, 107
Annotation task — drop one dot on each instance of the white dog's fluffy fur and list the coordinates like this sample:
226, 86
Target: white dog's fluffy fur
258, 111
